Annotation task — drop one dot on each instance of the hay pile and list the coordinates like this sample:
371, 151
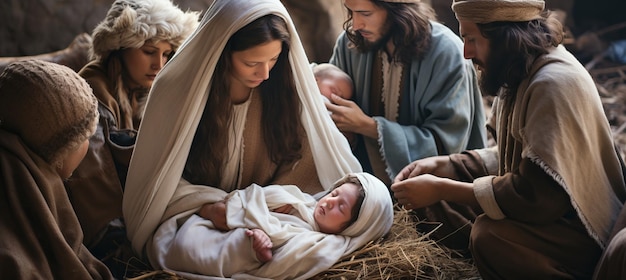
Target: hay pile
611, 84
403, 254
599, 51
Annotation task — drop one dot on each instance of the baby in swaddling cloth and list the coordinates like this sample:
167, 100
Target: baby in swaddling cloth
278, 226
332, 214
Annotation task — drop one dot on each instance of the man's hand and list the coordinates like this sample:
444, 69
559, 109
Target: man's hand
440, 166
426, 189
349, 117
419, 191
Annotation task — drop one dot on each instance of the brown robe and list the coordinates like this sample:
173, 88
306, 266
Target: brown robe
556, 183
541, 225
40, 237
104, 90
96, 186
612, 264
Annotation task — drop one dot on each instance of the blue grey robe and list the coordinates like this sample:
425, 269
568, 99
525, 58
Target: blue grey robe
440, 100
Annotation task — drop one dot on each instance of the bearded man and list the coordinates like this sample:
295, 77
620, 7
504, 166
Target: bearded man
415, 96
552, 187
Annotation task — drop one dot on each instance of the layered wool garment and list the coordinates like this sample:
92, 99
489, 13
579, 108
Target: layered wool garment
432, 105
40, 237
556, 120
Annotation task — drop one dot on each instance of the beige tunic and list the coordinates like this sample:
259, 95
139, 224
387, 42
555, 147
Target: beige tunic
256, 166
97, 185
556, 184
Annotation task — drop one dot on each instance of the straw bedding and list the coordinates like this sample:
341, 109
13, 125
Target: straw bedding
403, 254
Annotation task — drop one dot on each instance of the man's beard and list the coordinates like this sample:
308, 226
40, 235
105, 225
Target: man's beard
490, 75
378, 44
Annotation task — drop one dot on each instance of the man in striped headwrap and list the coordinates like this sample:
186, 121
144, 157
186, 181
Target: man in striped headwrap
553, 185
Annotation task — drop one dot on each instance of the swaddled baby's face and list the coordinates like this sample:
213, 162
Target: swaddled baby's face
334, 212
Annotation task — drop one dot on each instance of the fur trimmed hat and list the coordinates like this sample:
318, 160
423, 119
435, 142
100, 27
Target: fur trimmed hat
485, 11
48, 105
130, 23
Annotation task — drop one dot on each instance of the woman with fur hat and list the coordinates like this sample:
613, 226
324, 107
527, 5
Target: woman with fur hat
47, 114
130, 47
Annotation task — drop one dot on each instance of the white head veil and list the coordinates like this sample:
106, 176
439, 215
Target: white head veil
176, 104
376, 214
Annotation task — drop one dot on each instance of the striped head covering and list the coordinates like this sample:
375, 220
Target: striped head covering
485, 11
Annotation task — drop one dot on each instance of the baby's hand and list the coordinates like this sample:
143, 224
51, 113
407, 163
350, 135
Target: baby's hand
216, 213
261, 244
285, 209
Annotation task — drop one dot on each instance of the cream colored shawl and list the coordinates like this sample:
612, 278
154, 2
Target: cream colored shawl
175, 106
197, 251
557, 121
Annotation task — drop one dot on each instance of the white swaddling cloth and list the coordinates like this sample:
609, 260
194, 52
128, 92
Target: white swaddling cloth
198, 251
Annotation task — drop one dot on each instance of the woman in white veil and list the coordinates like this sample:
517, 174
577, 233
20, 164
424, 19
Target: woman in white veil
156, 190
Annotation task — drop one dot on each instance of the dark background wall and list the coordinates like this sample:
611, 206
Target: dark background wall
30, 27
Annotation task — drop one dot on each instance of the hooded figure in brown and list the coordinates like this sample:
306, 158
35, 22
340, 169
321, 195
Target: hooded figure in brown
47, 114
130, 47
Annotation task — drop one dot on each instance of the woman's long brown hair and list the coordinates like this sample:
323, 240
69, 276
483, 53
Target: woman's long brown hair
281, 106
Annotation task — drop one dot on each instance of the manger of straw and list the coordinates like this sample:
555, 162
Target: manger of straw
403, 254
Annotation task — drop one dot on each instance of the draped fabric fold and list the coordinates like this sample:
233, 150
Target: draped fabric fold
196, 250
41, 236
175, 106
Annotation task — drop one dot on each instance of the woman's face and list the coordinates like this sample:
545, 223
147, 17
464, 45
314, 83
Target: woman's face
252, 66
334, 210
143, 64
